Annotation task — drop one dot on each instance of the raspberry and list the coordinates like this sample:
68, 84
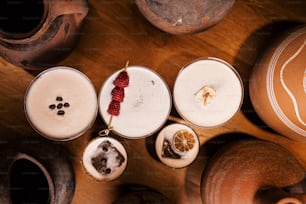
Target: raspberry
114, 108
118, 94
122, 80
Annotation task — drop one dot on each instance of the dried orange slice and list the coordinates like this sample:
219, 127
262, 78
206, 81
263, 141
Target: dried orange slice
183, 141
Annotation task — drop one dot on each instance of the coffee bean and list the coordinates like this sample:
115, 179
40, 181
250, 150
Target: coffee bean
52, 106
60, 112
66, 105
59, 106
59, 98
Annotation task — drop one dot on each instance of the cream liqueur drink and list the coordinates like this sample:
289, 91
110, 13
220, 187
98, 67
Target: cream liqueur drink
105, 159
208, 92
61, 103
177, 145
145, 106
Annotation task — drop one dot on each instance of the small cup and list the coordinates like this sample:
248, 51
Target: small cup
177, 145
61, 103
105, 159
145, 107
208, 92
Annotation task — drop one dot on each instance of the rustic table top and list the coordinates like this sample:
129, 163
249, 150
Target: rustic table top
114, 32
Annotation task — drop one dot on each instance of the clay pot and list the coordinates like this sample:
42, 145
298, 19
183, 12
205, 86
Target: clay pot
35, 172
184, 16
253, 171
138, 194
278, 85
35, 34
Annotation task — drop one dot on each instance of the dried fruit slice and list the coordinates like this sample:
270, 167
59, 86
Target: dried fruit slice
183, 141
114, 108
118, 94
122, 80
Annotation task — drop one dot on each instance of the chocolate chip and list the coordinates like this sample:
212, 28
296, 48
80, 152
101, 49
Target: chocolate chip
59, 98
52, 106
66, 105
59, 106
108, 170
60, 112
105, 149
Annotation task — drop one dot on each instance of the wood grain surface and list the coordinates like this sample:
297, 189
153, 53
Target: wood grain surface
114, 32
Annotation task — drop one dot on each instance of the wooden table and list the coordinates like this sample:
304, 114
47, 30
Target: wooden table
114, 32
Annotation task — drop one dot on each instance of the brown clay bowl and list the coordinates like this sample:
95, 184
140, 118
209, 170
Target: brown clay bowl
184, 16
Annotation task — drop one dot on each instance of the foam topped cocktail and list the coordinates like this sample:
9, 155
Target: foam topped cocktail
177, 145
208, 92
104, 158
144, 108
61, 103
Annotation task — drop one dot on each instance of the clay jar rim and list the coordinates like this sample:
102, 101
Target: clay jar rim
47, 175
40, 25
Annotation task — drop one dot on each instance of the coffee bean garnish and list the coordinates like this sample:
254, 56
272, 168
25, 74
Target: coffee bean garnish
59, 98
60, 112
52, 106
59, 106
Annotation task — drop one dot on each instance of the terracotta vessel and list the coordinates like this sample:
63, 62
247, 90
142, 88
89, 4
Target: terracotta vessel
35, 172
251, 172
184, 16
35, 34
278, 85
138, 194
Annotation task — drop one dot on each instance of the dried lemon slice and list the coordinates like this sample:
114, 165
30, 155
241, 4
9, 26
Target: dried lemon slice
183, 141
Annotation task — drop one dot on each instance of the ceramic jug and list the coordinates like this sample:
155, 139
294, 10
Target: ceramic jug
33, 171
35, 34
278, 85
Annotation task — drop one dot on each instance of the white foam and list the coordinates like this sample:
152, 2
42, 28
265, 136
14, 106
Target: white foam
146, 105
167, 133
213, 73
75, 88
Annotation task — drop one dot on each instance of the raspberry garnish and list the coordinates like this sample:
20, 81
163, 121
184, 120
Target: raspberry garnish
122, 80
114, 108
118, 94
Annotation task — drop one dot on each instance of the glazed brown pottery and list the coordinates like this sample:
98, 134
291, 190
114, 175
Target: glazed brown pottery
278, 85
253, 172
184, 16
35, 34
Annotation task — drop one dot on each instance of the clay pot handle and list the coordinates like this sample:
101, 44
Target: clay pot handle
79, 8
278, 196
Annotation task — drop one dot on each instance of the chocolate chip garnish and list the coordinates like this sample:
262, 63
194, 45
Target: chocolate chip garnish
59, 106
60, 112
52, 106
66, 105
59, 98
108, 170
